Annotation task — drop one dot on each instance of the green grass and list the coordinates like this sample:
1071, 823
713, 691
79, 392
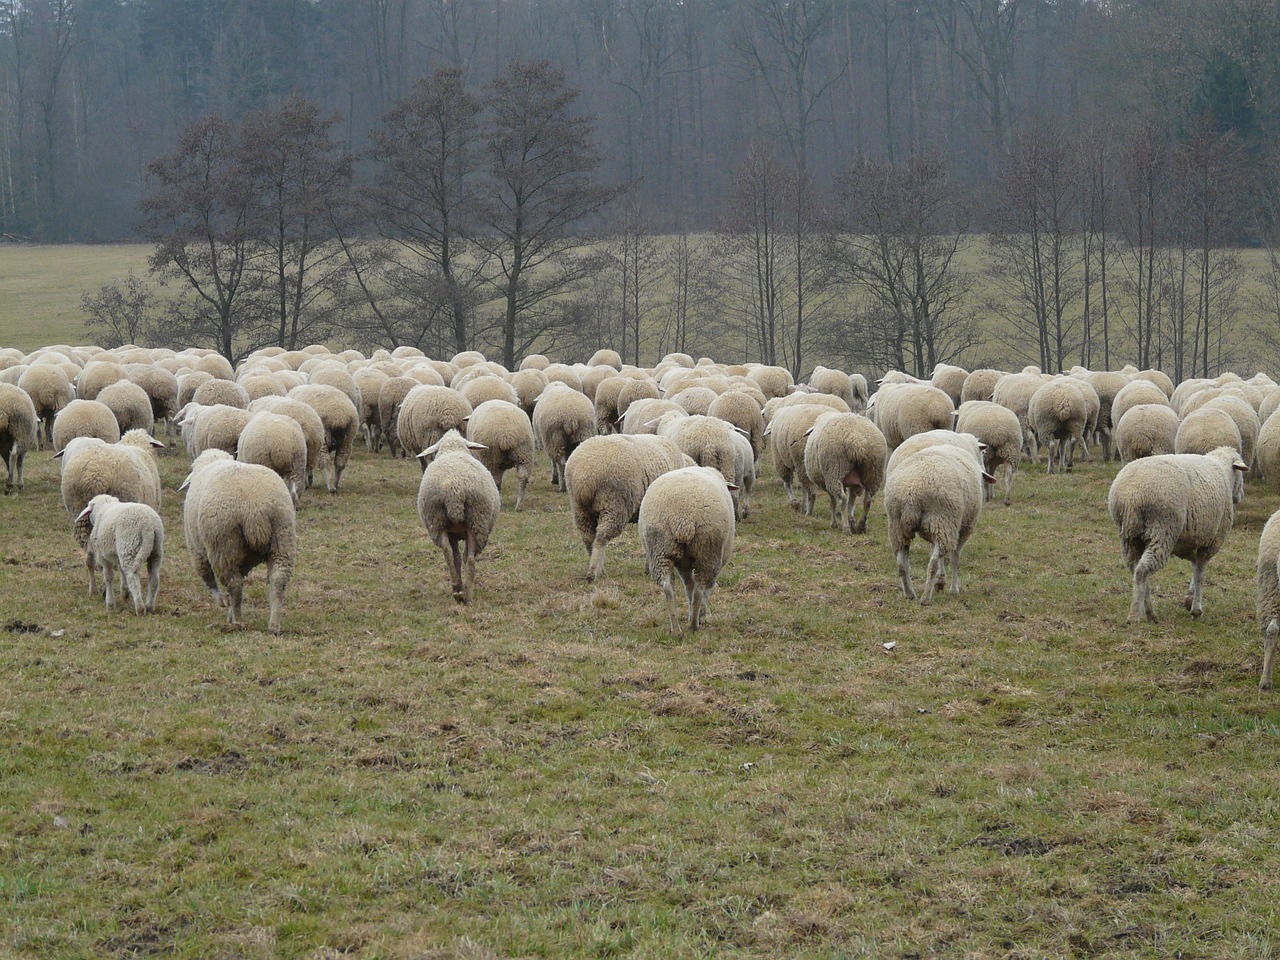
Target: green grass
549, 773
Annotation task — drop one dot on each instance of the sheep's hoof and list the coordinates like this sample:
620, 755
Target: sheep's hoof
459, 596
1264, 685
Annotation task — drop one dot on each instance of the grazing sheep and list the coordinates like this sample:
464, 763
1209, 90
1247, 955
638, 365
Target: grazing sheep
130, 405
562, 419
1160, 379
1245, 419
188, 384
427, 413
528, 384
608, 420
789, 434
831, 402
739, 409
505, 439
860, 393
237, 516
1107, 385
643, 415
1014, 391
124, 537
534, 361
772, 381
834, 382
1059, 416
483, 389
214, 428
697, 400
18, 432
845, 454
1178, 504
458, 503
97, 376
606, 358
933, 438
708, 441
390, 396
261, 385
905, 409
935, 494
687, 528
84, 418
310, 422
998, 428
1147, 430
276, 441
161, 388
225, 392
980, 384
607, 477
744, 473
950, 380
341, 421
369, 383
1205, 430
1269, 595
1133, 393
50, 390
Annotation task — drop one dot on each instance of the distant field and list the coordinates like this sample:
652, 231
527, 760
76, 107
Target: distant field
41, 286
548, 773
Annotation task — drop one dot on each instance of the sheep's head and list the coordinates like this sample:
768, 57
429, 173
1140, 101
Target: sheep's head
141, 439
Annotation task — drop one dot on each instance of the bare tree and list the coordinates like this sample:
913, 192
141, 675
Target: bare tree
1145, 205
540, 161
634, 256
122, 311
902, 226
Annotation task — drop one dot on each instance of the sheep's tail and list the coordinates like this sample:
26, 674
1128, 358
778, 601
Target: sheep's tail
134, 545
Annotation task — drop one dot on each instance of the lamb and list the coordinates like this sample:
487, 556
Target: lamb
845, 453
1147, 430
607, 477
687, 527
341, 422
236, 517
1058, 415
505, 439
18, 432
998, 428
1205, 430
936, 494
84, 418
125, 537
950, 380
1179, 504
458, 503
427, 413
910, 408
276, 441
739, 409
1269, 595
50, 390
130, 405
562, 419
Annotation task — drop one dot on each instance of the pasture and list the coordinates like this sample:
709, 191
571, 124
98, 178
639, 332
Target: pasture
826, 770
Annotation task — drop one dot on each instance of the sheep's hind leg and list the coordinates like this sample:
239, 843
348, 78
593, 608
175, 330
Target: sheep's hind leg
234, 599
1153, 559
454, 560
1268, 652
153, 583
1194, 600
662, 574
134, 582
904, 572
469, 568
277, 580
935, 574
955, 570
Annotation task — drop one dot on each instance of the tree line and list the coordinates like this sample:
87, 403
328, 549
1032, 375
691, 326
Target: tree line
479, 216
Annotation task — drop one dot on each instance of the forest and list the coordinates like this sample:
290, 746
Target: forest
883, 182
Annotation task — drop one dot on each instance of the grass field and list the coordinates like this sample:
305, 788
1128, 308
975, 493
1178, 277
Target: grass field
549, 773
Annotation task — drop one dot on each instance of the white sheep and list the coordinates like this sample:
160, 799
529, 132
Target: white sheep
563, 419
739, 409
1269, 595
235, 517
50, 390
935, 494
607, 477
980, 384
125, 537
341, 419
708, 441
1059, 416
458, 503
788, 432
277, 442
997, 427
687, 528
1147, 430
1177, 504
19, 427
130, 404
833, 382
905, 409
950, 380
505, 436
1206, 429
845, 454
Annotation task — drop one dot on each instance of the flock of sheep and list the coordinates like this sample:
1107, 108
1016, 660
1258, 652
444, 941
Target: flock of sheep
675, 448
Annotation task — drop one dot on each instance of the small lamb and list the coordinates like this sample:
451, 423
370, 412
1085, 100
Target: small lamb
125, 537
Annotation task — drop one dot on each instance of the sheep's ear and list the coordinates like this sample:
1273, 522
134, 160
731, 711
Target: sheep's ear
987, 478
732, 486
983, 446
185, 483
1240, 465
431, 450
652, 424
85, 512
476, 446
58, 455
809, 431
745, 433
156, 443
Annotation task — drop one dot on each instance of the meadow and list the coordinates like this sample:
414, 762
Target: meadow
827, 770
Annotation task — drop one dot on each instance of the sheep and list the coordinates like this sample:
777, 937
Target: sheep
84, 418
390, 396
1107, 385
834, 382
50, 390
998, 428
161, 388
788, 431
607, 477
505, 438
341, 421
708, 441
225, 392
979, 384
608, 420
237, 516
261, 385
772, 381
937, 495
590, 379
910, 408
636, 389
1245, 419
216, 365
528, 384
831, 402
1159, 378
369, 383
642, 416
1269, 595
1058, 415
845, 453
97, 376
482, 389
1147, 430
562, 419
606, 358
687, 527
458, 503
310, 422
739, 409
1205, 430
744, 472
534, 361
697, 400
950, 380
933, 438
188, 384
213, 428
130, 405
1179, 504
1014, 391
427, 413
124, 537
276, 441
18, 432
1133, 393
